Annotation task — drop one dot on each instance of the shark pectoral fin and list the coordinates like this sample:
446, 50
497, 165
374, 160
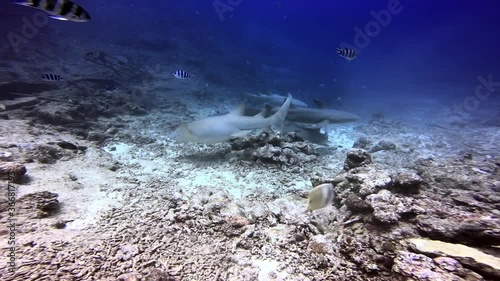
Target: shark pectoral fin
240, 134
239, 110
320, 104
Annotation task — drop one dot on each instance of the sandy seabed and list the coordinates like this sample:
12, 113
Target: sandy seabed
104, 193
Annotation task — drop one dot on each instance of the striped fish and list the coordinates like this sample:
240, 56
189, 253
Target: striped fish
181, 74
110, 88
59, 9
52, 77
348, 54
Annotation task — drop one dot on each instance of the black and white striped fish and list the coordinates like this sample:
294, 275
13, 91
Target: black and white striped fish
110, 88
348, 54
181, 74
59, 9
52, 77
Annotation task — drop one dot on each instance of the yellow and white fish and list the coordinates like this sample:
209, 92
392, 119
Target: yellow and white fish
320, 196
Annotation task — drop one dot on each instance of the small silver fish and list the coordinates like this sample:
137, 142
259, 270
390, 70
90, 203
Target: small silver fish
348, 54
320, 196
181, 74
52, 77
59, 9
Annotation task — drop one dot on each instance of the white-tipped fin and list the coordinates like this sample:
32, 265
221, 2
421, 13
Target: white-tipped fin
57, 17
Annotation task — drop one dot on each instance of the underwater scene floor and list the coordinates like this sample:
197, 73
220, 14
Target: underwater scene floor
103, 192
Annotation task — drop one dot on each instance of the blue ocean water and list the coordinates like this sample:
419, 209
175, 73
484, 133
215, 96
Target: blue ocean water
419, 50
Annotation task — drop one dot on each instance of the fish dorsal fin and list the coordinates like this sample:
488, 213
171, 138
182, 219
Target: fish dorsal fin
239, 110
320, 104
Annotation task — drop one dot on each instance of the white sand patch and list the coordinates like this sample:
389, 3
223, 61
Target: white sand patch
79, 184
101, 202
192, 178
269, 270
119, 149
341, 135
278, 233
222, 179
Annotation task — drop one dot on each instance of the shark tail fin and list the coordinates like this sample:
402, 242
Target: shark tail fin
279, 117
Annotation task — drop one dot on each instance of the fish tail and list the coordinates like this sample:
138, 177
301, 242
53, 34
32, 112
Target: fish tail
339, 51
279, 117
29, 3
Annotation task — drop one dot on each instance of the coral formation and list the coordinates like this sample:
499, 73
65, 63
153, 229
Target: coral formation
288, 149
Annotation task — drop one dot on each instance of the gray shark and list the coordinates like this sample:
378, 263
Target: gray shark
234, 124
272, 99
308, 122
318, 115
313, 115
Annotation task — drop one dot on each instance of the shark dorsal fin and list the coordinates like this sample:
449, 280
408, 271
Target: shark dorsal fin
268, 108
320, 104
265, 112
239, 110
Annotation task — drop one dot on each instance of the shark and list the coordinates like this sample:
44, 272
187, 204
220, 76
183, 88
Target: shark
313, 115
220, 128
272, 99
308, 123
318, 115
